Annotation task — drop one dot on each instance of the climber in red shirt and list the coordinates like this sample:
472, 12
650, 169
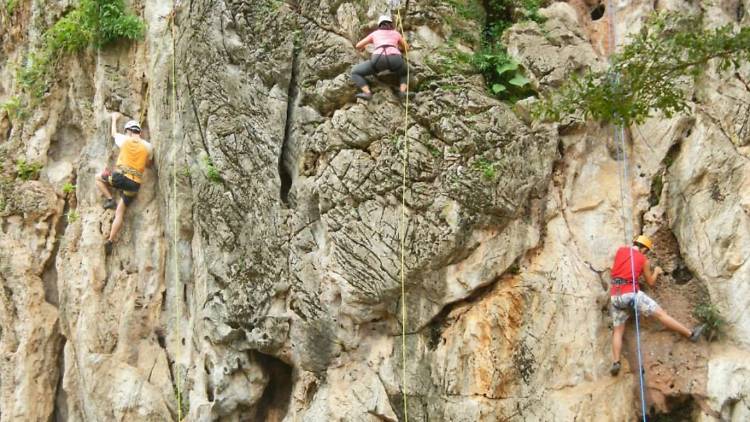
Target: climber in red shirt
625, 291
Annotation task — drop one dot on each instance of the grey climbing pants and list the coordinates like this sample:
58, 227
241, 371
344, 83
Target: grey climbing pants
378, 63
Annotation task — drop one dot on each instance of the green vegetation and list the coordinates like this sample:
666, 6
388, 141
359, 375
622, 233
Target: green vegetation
502, 74
27, 170
652, 72
12, 107
487, 168
94, 23
212, 173
72, 216
707, 314
68, 188
10, 6
504, 77
657, 185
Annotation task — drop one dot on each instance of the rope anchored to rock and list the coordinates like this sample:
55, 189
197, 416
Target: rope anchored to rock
627, 217
402, 227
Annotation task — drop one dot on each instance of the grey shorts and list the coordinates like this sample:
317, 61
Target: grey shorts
621, 306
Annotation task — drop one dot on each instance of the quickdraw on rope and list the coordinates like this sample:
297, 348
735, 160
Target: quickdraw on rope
175, 254
402, 225
619, 137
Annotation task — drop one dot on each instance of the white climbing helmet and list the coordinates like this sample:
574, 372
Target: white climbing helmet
384, 18
133, 125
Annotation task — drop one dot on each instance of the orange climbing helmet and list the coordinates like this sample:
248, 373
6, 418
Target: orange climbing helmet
644, 241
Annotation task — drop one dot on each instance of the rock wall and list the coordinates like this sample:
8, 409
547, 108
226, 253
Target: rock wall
258, 276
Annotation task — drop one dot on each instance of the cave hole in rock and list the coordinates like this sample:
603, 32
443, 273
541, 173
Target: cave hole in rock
682, 407
682, 274
598, 12
274, 403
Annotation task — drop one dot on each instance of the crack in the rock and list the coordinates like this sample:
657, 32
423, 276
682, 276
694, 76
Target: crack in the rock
286, 165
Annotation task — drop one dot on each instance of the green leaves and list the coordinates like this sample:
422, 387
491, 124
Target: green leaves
519, 80
27, 170
502, 73
96, 23
498, 88
652, 73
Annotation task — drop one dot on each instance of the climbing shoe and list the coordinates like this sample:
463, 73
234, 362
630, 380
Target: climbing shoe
110, 204
615, 369
697, 331
108, 247
402, 95
364, 95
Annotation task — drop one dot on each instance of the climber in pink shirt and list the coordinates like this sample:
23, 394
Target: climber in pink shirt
386, 56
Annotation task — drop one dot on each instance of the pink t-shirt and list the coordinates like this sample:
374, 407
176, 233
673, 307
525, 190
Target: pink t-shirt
385, 37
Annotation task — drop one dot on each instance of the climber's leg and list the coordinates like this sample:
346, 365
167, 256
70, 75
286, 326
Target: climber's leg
398, 66
358, 76
103, 183
619, 310
119, 217
103, 189
671, 323
617, 333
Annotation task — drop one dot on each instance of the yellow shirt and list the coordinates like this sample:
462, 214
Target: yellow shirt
134, 154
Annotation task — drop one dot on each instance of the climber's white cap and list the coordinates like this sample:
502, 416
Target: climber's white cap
384, 18
133, 125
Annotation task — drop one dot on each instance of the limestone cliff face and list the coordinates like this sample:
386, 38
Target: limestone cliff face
272, 292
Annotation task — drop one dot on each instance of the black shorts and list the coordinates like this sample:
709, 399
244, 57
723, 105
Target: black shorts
119, 181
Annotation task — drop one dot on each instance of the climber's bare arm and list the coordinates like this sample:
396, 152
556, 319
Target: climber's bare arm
363, 43
115, 116
403, 44
650, 276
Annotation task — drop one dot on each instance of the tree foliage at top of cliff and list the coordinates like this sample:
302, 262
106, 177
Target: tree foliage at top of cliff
651, 73
95, 23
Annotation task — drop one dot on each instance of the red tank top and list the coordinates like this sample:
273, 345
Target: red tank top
622, 269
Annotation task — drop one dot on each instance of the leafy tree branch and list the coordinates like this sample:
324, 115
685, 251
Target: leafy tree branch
651, 73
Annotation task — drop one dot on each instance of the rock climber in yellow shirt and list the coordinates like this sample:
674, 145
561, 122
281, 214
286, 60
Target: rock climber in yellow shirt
135, 155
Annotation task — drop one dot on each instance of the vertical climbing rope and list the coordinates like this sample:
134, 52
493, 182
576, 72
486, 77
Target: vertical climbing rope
627, 215
175, 209
402, 225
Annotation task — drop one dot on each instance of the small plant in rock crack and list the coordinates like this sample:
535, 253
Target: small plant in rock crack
27, 170
68, 188
212, 173
503, 75
13, 108
72, 216
708, 314
10, 6
487, 168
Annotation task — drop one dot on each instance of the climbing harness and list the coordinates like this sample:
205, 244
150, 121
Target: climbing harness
619, 135
129, 171
402, 223
374, 61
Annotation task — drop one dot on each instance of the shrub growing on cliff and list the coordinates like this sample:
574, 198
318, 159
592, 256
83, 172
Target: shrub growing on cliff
94, 23
212, 173
652, 72
503, 75
10, 6
27, 170
12, 107
68, 188
708, 314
